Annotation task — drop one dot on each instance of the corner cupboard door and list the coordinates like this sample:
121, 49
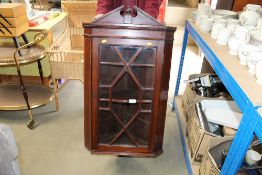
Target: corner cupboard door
125, 87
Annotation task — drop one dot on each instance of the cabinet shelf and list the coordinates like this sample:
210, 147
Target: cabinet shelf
108, 109
124, 96
124, 101
121, 64
11, 96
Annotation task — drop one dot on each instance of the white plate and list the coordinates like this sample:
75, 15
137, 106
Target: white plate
225, 13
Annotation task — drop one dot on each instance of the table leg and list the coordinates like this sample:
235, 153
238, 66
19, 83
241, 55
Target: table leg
40, 71
17, 45
31, 122
241, 143
182, 57
25, 39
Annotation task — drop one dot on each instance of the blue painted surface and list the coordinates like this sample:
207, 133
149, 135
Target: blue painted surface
183, 140
180, 68
251, 122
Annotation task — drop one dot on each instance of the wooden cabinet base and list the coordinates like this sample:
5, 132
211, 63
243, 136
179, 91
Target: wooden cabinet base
127, 154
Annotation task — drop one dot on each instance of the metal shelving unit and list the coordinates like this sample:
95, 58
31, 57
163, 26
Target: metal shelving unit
241, 85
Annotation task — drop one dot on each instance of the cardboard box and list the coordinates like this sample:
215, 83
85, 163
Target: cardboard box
190, 98
198, 137
209, 166
17, 31
11, 10
192, 3
15, 22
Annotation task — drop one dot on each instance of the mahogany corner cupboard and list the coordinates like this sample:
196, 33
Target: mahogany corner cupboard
126, 71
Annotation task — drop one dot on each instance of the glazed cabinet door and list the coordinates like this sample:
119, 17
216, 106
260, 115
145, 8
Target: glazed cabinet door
126, 84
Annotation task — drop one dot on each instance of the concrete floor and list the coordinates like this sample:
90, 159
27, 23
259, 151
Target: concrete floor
56, 146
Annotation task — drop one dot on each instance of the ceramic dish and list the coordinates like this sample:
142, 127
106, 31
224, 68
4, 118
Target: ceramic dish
225, 13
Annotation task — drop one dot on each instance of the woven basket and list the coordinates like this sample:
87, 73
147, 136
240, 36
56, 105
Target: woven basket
66, 62
77, 38
79, 12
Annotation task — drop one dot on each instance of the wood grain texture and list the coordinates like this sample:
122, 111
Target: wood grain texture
240, 4
128, 62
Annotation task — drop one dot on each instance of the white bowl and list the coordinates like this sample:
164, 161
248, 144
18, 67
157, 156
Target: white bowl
252, 157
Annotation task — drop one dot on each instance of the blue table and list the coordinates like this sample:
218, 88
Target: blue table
241, 85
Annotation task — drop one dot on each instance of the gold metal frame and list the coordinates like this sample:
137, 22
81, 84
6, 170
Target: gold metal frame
37, 39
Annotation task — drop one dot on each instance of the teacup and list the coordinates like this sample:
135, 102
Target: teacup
223, 35
232, 24
240, 36
243, 52
233, 44
206, 24
232, 27
252, 59
216, 27
199, 18
242, 33
252, 157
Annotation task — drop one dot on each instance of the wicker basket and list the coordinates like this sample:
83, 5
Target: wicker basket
79, 12
77, 38
66, 62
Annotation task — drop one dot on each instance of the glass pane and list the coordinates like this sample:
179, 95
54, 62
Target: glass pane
147, 95
140, 129
147, 56
127, 52
125, 89
124, 140
104, 92
146, 106
145, 76
125, 111
108, 54
108, 73
108, 127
